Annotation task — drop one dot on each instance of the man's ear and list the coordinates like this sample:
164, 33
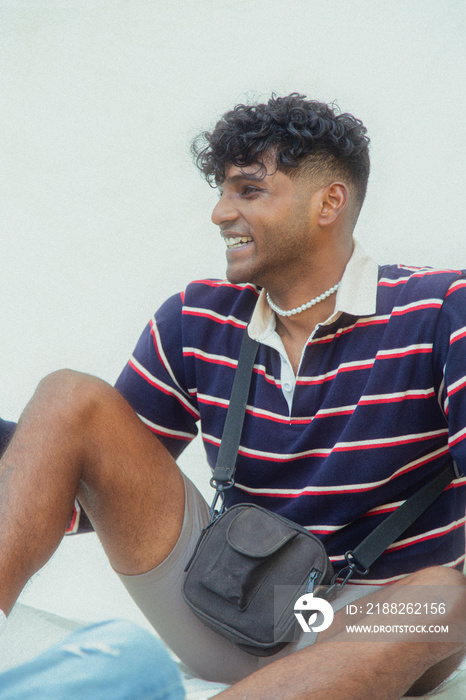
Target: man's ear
333, 201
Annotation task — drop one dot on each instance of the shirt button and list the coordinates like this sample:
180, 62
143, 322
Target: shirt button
287, 386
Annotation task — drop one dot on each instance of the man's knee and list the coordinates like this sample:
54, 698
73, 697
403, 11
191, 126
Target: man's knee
437, 576
445, 582
441, 593
73, 395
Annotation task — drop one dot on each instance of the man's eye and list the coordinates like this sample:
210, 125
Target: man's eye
249, 189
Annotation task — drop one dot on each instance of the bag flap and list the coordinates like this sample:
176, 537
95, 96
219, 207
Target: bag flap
256, 533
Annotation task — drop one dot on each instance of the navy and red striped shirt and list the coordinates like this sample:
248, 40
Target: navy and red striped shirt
377, 408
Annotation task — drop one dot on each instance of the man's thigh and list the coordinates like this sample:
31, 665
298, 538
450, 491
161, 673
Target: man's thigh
130, 487
158, 593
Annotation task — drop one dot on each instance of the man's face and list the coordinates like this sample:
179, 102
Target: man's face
267, 224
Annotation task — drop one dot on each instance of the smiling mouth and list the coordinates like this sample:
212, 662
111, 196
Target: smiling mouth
237, 242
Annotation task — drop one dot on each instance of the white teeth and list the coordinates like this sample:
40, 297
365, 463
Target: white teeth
236, 242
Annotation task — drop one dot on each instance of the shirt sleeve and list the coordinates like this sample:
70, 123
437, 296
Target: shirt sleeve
153, 381
6, 431
450, 360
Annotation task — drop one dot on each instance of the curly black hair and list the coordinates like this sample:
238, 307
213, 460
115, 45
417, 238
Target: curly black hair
305, 137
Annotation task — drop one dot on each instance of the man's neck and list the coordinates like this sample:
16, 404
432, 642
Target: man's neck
295, 330
314, 275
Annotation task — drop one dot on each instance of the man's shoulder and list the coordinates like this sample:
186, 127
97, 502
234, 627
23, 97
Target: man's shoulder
201, 303
219, 295
419, 280
404, 288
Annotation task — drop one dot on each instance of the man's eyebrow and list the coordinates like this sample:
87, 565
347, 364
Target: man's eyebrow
249, 177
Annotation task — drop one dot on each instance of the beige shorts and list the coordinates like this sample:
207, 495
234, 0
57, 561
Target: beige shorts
158, 594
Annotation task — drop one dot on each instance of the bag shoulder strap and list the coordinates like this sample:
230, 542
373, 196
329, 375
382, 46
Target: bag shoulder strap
226, 460
397, 522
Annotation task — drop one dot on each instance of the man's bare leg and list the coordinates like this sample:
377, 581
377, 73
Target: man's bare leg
79, 437
343, 668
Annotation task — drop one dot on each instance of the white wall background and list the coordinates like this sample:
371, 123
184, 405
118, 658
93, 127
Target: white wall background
102, 213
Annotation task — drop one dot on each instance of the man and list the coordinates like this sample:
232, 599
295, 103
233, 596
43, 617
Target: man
356, 401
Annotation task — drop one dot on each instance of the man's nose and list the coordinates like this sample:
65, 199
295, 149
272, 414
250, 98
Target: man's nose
224, 211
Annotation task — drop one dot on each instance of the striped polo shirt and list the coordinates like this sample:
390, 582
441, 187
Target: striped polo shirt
377, 408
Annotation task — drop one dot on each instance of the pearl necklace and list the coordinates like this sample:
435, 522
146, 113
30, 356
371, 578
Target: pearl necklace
303, 307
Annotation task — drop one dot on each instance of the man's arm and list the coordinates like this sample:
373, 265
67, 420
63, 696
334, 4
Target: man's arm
449, 358
153, 380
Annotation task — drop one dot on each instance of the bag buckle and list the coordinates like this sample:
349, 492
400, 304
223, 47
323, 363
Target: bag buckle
220, 488
349, 570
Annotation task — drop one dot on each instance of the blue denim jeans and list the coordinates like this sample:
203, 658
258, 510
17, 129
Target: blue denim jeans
114, 660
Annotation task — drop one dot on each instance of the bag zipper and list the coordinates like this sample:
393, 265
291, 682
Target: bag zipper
311, 581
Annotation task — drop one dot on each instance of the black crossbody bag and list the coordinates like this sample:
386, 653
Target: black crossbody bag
246, 552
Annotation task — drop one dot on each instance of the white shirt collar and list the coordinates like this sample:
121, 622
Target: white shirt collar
357, 295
